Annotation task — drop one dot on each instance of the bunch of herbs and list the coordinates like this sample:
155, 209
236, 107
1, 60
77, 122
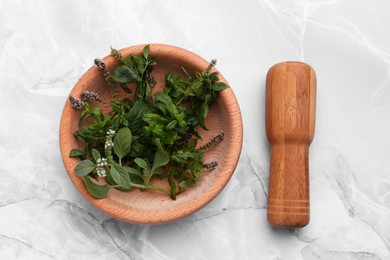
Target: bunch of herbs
145, 135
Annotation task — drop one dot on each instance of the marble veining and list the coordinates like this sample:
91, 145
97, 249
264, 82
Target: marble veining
45, 46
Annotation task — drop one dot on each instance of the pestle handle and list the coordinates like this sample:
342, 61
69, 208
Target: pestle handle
290, 122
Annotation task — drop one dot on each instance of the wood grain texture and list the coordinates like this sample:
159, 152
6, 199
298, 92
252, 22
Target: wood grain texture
150, 207
290, 122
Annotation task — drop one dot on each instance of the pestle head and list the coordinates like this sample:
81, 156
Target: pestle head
290, 102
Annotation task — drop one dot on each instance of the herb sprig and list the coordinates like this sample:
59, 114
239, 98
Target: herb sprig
145, 135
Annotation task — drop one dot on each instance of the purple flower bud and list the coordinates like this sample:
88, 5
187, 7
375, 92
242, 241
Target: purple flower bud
90, 96
100, 64
211, 165
149, 77
216, 139
76, 103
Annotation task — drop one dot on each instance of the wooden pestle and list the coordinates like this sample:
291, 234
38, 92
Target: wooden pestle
290, 122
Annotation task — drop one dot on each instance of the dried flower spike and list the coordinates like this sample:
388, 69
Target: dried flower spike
180, 144
211, 165
100, 64
90, 96
103, 70
76, 103
211, 64
117, 55
216, 139
149, 77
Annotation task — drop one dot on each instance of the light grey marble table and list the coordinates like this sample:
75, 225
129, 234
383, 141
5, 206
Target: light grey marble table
45, 46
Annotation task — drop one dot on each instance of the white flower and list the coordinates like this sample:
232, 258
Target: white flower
111, 133
101, 162
108, 144
101, 172
104, 161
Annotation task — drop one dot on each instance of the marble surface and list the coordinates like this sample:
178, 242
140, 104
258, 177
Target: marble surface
45, 46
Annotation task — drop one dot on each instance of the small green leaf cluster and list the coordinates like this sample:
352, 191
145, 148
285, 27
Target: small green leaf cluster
145, 135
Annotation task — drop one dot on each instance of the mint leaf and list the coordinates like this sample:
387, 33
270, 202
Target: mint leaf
183, 184
163, 97
95, 154
182, 157
135, 115
172, 108
131, 170
161, 157
219, 86
146, 51
120, 176
172, 184
124, 74
122, 142
84, 168
171, 125
77, 153
126, 88
141, 163
204, 110
135, 175
97, 191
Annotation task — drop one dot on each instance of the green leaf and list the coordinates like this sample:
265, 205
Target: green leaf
153, 119
126, 88
132, 170
84, 168
171, 125
97, 191
138, 148
172, 109
172, 184
141, 163
135, 175
204, 110
124, 74
148, 90
146, 51
124, 121
219, 86
163, 97
140, 64
77, 153
180, 119
95, 154
116, 105
120, 176
122, 142
183, 184
214, 76
135, 114
207, 99
161, 157
127, 102
182, 157
97, 112
169, 137
160, 107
